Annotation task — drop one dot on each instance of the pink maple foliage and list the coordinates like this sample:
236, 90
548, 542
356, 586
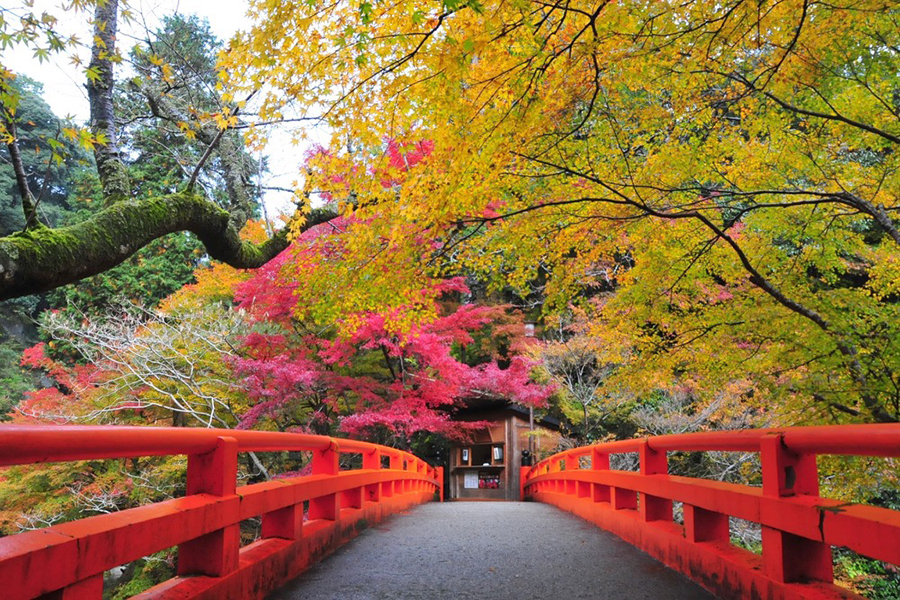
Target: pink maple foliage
375, 377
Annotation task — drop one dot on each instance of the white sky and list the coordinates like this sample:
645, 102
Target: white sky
64, 84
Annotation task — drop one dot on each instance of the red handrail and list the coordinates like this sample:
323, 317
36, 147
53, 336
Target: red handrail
799, 527
69, 559
29, 444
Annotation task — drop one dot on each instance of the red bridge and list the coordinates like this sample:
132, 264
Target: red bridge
799, 528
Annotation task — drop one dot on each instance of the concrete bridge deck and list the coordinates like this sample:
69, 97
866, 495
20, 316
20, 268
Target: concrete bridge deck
488, 550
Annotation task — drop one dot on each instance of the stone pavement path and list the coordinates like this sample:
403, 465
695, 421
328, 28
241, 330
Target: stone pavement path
490, 551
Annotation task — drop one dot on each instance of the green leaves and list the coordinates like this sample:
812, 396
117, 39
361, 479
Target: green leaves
365, 12
456, 5
42, 54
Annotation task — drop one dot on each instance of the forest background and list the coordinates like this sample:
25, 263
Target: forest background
695, 205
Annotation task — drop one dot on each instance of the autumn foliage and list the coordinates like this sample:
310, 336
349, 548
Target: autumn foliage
394, 370
718, 179
694, 203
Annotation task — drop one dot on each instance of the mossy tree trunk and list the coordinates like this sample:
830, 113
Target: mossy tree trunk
41, 258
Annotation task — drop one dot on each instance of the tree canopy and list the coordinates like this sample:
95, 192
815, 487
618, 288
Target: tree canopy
725, 172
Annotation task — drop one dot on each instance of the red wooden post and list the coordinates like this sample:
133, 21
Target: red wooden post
523, 478
325, 462
571, 463
584, 489
439, 475
372, 460
622, 499
787, 557
654, 462
600, 462
394, 487
352, 498
411, 466
285, 523
213, 472
701, 525
387, 487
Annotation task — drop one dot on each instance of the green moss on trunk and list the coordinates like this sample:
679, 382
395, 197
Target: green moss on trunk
41, 259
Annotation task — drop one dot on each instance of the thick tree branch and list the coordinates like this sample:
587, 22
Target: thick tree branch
42, 259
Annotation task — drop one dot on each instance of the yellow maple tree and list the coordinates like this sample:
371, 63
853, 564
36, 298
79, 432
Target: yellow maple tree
729, 168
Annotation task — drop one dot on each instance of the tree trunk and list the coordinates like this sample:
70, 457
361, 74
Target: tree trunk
113, 175
585, 429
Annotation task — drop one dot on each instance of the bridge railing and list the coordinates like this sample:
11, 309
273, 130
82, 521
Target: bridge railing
799, 528
68, 560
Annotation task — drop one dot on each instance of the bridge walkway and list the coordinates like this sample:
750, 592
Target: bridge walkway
488, 550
